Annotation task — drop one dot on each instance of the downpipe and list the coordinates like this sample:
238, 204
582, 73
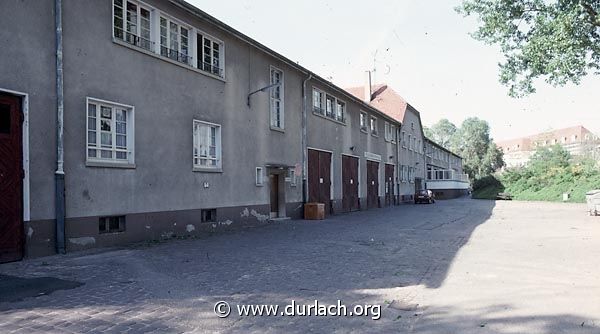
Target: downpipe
59, 175
304, 141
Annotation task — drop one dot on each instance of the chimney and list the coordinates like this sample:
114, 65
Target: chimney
368, 92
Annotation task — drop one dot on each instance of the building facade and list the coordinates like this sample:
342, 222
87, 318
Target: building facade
577, 140
170, 123
445, 175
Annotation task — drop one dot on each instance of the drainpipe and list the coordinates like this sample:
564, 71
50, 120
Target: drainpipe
59, 175
304, 141
398, 171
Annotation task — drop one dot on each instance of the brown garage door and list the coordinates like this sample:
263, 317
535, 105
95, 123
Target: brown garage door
319, 178
11, 179
349, 183
389, 184
372, 184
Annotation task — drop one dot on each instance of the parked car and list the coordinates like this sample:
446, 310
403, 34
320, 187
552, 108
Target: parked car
424, 196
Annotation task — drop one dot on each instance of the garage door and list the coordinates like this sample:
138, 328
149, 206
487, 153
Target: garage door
319, 178
349, 183
372, 184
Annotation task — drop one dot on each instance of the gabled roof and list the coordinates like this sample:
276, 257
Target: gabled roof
385, 99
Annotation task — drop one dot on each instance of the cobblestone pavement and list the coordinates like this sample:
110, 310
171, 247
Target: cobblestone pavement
457, 266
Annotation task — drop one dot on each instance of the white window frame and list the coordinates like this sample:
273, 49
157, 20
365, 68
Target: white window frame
180, 25
363, 122
272, 99
340, 116
138, 30
259, 176
200, 47
198, 167
292, 177
393, 132
155, 39
320, 108
373, 125
129, 129
404, 139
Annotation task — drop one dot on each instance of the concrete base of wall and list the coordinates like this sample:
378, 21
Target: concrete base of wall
83, 232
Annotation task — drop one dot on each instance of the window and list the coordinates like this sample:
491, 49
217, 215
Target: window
412, 125
373, 126
386, 131
411, 174
260, 177
132, 23
209, 54
404, 139
393, 133
208, 215
174, 41
404, 173
109, 132
292, 177
410, 142
276, 100
363, 121
340, 111
329, 105
207, 145
136, 24
111, 224
318, 102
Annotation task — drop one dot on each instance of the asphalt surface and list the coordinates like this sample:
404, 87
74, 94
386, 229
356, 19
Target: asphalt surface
459, 266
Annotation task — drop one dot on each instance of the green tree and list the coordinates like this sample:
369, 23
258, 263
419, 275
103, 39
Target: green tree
546, 158
480, 155
442, 133
558, 40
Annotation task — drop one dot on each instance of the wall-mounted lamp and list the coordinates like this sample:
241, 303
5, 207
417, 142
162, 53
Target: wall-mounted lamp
391, 157
351, 148
264, 89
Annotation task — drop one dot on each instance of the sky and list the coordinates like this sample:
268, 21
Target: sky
422, 49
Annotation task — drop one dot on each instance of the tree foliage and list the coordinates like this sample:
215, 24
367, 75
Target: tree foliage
442, 132
472, 142
557, 40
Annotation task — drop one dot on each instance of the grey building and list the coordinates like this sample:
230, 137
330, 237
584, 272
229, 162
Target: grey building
445, 175
153, 119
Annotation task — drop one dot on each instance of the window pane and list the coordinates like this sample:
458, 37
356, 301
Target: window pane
106, 154
106, 139
122, 155
121, 141
92, 153
92, 110
92, 138
91, 123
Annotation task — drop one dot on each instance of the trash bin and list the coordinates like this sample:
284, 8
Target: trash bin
593, 201
314, 211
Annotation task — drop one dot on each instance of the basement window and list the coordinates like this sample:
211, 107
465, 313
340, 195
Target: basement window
111, 224
209, 215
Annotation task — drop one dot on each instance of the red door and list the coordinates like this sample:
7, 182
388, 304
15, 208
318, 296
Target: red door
389, 184
350, 183
372, 184
11, 179
319, 178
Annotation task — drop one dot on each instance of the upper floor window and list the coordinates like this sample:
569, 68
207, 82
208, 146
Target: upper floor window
404, 139
136, 24
363, 121
394, 133
340, 111
207, 145
132, 23
329, 106
318, 101
410, 142
174, 41
209, 55
373, 125
389, 131
276, 100
109, 132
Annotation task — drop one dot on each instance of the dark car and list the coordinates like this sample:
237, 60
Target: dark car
424, 196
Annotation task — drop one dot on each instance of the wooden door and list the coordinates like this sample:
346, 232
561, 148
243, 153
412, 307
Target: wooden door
11, 179
274, 184
389, 184
372, 184
319, 178
349, 183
